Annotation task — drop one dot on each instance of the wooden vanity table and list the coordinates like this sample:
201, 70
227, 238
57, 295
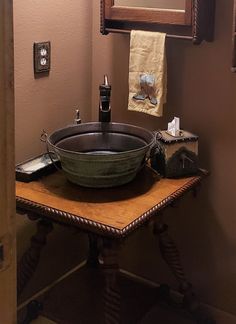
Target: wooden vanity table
108, 216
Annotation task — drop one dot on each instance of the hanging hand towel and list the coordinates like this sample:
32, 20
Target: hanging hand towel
147, 72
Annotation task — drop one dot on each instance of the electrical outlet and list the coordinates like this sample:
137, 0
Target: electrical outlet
42, 57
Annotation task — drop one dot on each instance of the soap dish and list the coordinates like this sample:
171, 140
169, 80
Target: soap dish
36, 167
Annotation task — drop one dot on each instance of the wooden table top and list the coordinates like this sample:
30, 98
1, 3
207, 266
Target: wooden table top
113, 212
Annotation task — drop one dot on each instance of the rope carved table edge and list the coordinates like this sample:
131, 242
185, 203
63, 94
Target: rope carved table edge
99, 228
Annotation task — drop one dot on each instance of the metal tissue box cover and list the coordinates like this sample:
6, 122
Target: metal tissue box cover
176, 156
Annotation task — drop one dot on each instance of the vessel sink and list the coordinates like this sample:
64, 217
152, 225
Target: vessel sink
100, 154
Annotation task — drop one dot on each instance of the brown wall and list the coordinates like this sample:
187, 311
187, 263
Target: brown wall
201, 91
49, 102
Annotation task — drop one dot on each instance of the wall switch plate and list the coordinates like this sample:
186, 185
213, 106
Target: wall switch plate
42, 57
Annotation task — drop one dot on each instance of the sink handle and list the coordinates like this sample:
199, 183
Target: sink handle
44, 136
44, 139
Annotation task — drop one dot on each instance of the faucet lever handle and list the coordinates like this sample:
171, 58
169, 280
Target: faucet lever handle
106, 80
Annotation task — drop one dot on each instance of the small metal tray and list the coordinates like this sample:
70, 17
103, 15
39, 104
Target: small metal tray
36, 167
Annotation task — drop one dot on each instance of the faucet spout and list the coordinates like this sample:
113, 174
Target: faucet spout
104, 105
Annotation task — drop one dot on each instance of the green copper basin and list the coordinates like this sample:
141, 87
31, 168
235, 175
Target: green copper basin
101, 155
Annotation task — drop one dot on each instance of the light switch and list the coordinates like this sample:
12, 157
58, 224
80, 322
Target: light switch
42, 57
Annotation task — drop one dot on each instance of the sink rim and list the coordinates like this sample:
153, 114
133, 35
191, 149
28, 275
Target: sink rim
101, 127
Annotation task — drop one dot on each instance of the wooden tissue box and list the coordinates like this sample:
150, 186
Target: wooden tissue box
175, 156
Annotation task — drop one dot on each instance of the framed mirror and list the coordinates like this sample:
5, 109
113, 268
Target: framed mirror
158, 4
188, 19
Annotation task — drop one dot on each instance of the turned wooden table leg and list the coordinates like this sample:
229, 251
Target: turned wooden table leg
33, 310
170, 254
111, 289
29, 261
93, 257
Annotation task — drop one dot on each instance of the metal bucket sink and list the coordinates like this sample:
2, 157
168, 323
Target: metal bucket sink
101, 155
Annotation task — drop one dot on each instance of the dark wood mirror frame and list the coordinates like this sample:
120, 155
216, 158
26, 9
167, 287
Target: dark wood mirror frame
196, 22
